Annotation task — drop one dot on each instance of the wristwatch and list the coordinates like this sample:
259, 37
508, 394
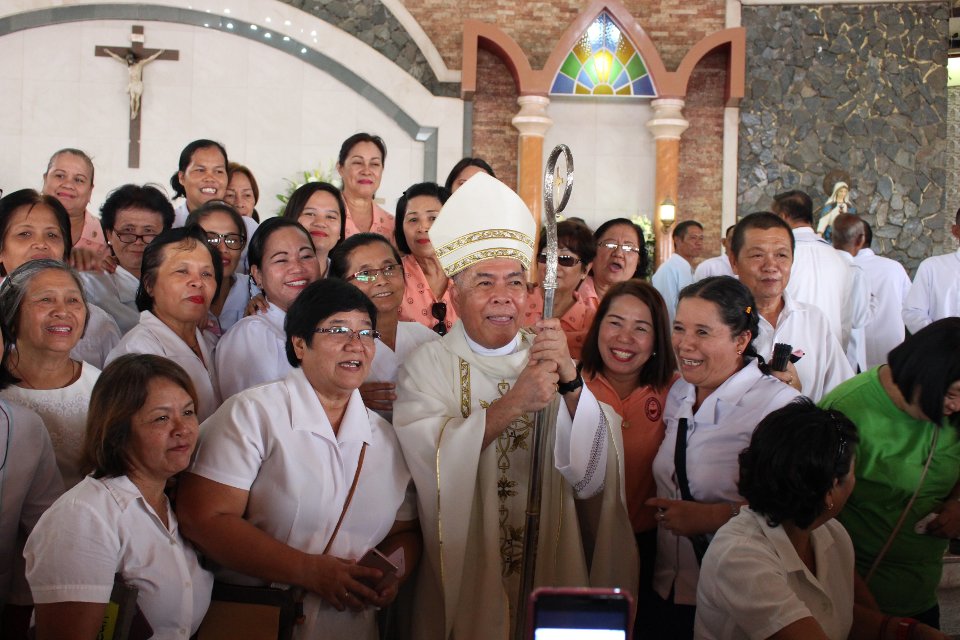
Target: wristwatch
569, 387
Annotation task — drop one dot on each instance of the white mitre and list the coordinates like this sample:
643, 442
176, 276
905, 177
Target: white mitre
483, 220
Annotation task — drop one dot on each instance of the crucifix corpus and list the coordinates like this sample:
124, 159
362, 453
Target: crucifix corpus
136, 57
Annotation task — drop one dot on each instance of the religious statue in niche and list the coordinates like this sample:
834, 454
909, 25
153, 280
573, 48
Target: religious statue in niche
838, 202
135, 69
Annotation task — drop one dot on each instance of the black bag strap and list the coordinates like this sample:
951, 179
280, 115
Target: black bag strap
680, 460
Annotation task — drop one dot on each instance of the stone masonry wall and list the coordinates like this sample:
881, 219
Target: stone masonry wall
953, 151
860, 88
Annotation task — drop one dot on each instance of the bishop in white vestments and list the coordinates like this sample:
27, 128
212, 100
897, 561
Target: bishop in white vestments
464, 415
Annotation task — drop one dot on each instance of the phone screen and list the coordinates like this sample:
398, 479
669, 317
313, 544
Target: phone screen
582, 616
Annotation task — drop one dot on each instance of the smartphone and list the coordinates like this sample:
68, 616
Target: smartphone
580, 614
377, 560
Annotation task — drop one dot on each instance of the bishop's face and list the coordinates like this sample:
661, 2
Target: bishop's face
488, 298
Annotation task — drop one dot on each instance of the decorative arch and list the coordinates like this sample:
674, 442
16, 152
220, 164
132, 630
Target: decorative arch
667, 84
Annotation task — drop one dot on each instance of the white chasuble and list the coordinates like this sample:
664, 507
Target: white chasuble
472, 501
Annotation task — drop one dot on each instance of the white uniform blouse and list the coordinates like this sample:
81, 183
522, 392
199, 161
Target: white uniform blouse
253, 351
115, 293
275, 442
716, 434
152, 336
100, 337
102, 527
780, 589
935, 293
29, 484
386, 361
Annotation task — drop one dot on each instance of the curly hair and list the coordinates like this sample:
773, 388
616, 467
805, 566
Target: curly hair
796, 456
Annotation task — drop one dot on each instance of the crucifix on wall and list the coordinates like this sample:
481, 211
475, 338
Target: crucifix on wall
136, 57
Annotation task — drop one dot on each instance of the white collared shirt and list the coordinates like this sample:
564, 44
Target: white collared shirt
753, 583
253, 351
115, 293
935, 293
102, 527
275, 442
824, 364
716, 434
29, 484
672, 276
99, 338
151, 335
386, 362
889, 284
716, 266
236, 303
822, 278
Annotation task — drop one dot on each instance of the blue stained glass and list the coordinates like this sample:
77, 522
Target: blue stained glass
643, 87
584, 79
621, 80
562, 84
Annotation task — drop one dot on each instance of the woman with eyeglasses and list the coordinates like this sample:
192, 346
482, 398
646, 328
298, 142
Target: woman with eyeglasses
369, 262
282, 263
426, 298
132, 216
574, 253
621, 255
295, 481
179, 279
227, 234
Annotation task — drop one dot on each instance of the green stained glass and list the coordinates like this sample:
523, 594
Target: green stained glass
603, 62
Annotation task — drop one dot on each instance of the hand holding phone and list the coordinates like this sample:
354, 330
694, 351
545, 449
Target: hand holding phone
580, 614
373, 558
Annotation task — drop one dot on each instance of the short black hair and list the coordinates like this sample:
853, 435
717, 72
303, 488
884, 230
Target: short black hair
356, 139
680, 230
644, 262
31, 198
298, 200
735, 305
187, 155
431, 189
868, 232
133, 195
763, 220
463, 164
795, 456
155, 252
320, 300
340, 256
925, 365
577, 236
795, 205
659, 369
266, 229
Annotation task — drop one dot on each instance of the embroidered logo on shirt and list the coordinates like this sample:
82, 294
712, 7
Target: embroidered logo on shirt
653, 409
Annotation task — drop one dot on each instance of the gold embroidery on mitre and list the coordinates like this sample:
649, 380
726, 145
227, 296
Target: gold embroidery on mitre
486, 254
481, 236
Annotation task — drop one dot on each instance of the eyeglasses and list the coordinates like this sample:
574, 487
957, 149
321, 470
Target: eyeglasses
563, 261
346, 334
613, 246
130, 238
233, 240
439, 312
371, 275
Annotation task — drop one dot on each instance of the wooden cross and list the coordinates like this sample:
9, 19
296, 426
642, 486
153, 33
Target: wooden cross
136, 57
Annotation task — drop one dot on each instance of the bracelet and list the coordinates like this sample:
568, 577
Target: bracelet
905, 628
569, 387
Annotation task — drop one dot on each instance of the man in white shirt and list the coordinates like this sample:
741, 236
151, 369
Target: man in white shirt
762, 253
718, 265
888, 282
863, 308
677, 272
464, 416
820, 276
935, 292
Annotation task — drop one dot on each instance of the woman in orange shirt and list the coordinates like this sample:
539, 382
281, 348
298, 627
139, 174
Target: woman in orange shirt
629, 364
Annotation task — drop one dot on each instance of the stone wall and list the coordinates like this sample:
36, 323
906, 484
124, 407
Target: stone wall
860, 88
953, 150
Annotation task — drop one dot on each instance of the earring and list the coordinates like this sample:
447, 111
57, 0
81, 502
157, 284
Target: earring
829, 506
739, 352
653, 355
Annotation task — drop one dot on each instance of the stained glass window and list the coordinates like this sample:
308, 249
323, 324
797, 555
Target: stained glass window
603, 62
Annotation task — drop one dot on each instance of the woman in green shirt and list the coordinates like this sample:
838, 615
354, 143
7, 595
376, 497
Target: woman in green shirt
906, 503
